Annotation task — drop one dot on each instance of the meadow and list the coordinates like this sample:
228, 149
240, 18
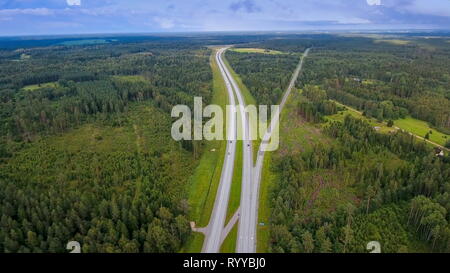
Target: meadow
257, 50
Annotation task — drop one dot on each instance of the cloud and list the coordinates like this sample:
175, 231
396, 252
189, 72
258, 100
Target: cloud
44, 16
247, 5
428, 7
74, 2
37, 11
374, 2
164, 23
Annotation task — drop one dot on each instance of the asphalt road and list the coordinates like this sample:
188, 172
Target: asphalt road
249, 199
213, 232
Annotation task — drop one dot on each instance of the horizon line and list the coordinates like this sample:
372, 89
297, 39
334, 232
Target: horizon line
177, 33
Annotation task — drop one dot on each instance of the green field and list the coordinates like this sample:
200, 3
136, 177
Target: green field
380, 126
132, 78
393, 41
256, 50
24, 56
421, 128
34, 87
409, 124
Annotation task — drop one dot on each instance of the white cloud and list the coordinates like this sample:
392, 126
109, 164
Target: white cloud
38, 11
164, 23
428, 7
74, 2
374, 2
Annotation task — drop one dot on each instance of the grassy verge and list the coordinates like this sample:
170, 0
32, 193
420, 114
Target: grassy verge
262, 232
194, 243
206, 178
229, 244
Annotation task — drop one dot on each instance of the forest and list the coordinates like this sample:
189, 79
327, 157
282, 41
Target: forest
387, 81
265, 75
340, 184
378, 76
85, 146
86, 152
413, 194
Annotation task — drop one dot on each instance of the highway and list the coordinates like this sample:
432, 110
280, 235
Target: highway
251, 176
213, 232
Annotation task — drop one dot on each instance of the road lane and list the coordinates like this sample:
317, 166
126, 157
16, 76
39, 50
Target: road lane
215, 227
250, 233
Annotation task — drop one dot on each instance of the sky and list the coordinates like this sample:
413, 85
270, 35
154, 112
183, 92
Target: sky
40, 17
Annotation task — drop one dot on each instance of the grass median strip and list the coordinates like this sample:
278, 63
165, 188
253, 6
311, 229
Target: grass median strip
229, 244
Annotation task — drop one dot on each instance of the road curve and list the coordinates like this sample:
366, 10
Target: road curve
213, 232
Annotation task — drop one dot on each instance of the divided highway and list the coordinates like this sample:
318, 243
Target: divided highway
251, 176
